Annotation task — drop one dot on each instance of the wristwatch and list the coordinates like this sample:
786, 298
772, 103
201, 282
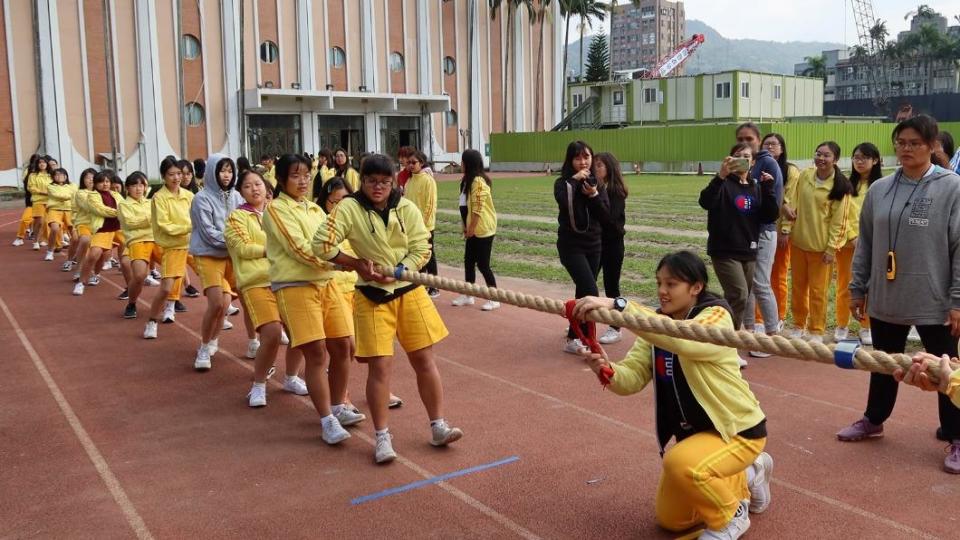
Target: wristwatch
620, 303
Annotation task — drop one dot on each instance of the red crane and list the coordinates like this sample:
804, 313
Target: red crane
675, 59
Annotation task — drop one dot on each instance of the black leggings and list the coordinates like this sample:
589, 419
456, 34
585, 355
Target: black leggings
477, 255
431, 266
583, 267
892, 338
611, 261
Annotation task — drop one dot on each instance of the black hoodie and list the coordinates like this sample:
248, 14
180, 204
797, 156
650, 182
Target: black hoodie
735, 214
580, 218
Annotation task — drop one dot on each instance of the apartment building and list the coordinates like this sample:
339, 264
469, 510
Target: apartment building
642, 35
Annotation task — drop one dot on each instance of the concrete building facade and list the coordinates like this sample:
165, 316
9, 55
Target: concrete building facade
129, 81
641, 35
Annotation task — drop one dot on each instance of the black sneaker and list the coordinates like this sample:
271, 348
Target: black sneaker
125, 295
179, 307
130, 312
191, 292
434, 293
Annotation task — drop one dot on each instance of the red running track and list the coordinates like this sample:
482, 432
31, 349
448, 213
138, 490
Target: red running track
106, 435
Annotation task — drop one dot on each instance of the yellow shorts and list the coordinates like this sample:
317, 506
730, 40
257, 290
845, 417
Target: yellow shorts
103, 240
68, 219
27, 214
261, 306
83, 230
173, 264
144, 251
214, 272
313, 312
413, 319
118, 238
39, 209
58, 216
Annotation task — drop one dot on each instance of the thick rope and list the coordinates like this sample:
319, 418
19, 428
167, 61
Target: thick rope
866, 360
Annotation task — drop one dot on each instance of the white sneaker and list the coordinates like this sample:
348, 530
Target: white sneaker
65, 240
48, 256
169, 313
43, 243
759, 330
76, 276
797, 333
107, 266
202, 362
348, 417
759, 354
612, 335
151, 282
252, 347
840, 334
232, 310
17, 242
866, 337
78, 289
384, 452
155, 274
227, 325
334, 433
67, 266
36, 246
462, 300
490, 306
257, 397
444, 434
760, 487
742, 361
284, 338
94, 280
295, 385
815, 338
213, 346
574, 346
781, 325
913, 335
150, 331
733, 530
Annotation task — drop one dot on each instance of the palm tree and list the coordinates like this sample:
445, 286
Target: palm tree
512, 6
566, 10
542, 14
816, 67
613, 14
928, 46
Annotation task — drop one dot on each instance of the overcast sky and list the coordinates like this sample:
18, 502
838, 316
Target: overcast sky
802, 20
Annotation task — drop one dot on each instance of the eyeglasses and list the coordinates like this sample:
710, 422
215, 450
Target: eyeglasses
381, 183
908, 145
771, 144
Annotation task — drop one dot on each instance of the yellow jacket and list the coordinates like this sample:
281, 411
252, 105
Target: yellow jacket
822, 224
480, 203
81, 207
351, 177
856, 205
271, 176
135, 219
712, 372
790, 193
326, 173
346, 280
170, 218
37, 184
421, 189
289, 226
99, 211
60, 196
403, 239
247, 245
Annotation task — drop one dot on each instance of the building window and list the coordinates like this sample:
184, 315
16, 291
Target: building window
744, 89
723, 90
451, 117
618, 97
577, 100
194, 113
649, 95
396, 62
269, 52
449, 65
777, 89
191, 47
337, 57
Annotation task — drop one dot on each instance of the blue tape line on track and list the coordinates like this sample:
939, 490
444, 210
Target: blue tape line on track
434, 480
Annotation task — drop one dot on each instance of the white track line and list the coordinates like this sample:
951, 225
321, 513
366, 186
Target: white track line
802, 491
103, 469
503, 520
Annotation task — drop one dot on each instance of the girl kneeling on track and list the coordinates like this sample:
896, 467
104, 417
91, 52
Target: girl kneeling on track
141, 250
102, 206
386, 229
247, 245
717, 470
310, 303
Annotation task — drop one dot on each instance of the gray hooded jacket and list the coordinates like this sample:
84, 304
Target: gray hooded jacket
927, 216
211, 206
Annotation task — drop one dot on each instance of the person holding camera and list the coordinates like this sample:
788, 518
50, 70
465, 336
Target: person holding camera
737, 207
583, 208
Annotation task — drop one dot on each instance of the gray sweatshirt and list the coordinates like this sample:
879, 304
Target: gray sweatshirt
209, 211
927, 284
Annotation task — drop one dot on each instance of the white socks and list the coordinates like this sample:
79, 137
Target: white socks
382, 432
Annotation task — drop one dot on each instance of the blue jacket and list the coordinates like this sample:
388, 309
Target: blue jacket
209, 212
766, 164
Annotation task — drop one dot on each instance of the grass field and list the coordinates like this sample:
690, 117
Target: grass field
527, 247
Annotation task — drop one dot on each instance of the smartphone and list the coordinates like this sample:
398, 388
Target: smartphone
591, 180
740, 165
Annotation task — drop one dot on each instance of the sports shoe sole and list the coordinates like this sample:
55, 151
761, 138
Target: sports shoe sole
353, 422
335, 440
387, 458
861, 438
453, 436
767, 475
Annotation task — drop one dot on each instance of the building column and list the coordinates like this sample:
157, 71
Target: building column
368, 75
309, 132
230, 23
477, 138
517, 93
56, 134
306, 58
424, 72
371, 126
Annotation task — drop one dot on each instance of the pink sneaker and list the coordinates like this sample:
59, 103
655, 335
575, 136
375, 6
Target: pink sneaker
865, 429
